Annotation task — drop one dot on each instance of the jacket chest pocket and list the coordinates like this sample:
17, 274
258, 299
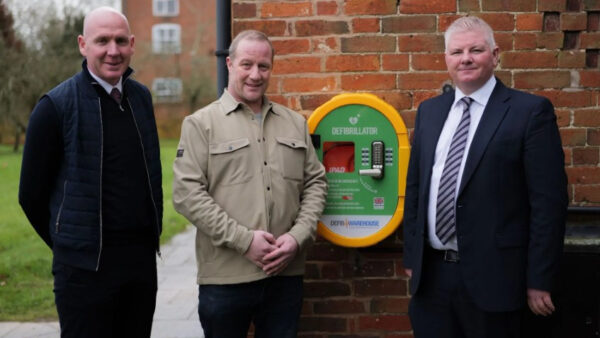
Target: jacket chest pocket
231, 161
291, 157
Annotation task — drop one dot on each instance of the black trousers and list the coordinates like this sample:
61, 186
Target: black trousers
442, 307
116, 301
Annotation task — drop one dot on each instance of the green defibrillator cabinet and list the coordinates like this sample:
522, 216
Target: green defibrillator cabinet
363, 144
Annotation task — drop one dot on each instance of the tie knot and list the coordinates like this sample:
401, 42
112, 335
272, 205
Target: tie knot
116, 95
467, 101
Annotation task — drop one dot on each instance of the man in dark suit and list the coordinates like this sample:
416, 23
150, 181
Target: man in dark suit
486, 199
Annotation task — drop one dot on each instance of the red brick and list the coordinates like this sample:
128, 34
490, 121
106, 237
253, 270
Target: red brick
322, 324
366, 25
368, 269
369, 7
422, 80
505, 76
591, 5
270, 27
384, 323
589, 194
568, 156
430, 43
295, 65
551, 22
573, 136
327, 8
379, 287
398, 100
408, 116
550, 40
589, 78
469, 6
309, 84
395, 61
428, 62
279, 99
593, 137
584, 175
537, 59
499, 21
368, 82
586, 118
325, 45
390, 305
291, 46
244, 10
427, 7
542, 79
274, 85
409, 24
339, 306
504, 41
530, 22
361, 44
285, 9
508, 5
568, 99
352, 63
445, 20
593, 23
590, 40
311, 271
563, 117
325, 289
314, 101
323, 251
525, 41
331, 271
586, 156
422, 95
571, 59
320, 27
552, 5
399, 335
573, 21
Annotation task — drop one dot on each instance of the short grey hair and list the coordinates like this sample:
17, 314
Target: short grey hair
253, 35
467, 24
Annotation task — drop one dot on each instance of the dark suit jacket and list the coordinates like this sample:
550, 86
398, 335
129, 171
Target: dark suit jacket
512, 200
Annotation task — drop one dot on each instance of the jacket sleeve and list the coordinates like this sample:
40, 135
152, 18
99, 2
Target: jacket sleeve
411, 198
190, 191
547, 190
312, 201
42, 155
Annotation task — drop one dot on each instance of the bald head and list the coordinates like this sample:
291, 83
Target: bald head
98, 13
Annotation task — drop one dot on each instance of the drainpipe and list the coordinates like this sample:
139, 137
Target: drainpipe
223, 41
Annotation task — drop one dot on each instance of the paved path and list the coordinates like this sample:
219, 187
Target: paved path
176, 314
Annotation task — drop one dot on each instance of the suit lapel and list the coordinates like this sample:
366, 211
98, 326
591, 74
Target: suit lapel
493, 114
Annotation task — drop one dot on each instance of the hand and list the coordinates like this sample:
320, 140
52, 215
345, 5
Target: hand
262, 244
278, 260
540, 302
408, 272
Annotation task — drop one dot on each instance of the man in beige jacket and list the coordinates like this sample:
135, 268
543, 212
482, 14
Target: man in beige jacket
247, 176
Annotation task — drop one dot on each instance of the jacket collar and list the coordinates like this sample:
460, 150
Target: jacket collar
230, 104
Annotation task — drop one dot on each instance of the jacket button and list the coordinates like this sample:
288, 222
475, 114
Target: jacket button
268, 188
265, 162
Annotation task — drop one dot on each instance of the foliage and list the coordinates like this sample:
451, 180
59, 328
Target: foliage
25, 261
31, 69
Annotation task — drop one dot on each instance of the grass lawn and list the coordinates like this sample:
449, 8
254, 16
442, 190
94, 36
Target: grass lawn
25, 261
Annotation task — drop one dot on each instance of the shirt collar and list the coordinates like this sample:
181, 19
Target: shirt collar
107, 86
481, 95
231, 104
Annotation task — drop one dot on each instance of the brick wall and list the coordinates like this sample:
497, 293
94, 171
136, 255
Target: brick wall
394, 49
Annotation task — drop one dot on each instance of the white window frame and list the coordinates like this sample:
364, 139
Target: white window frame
166, 38
165, 7
167, 89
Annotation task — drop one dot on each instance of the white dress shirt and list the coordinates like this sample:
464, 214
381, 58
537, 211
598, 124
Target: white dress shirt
480, 99
107, 86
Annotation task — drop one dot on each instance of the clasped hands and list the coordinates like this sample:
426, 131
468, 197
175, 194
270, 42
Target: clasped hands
271, 254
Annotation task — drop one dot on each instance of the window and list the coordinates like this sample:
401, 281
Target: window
167, 89
166, 38
165, 7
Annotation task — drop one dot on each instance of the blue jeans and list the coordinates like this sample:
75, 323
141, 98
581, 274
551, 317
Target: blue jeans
273, 305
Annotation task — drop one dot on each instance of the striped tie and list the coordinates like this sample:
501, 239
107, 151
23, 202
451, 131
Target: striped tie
445, 214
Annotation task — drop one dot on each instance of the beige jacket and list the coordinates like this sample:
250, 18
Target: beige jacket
234, 175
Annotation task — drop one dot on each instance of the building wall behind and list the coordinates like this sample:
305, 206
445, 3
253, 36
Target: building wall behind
394, 49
